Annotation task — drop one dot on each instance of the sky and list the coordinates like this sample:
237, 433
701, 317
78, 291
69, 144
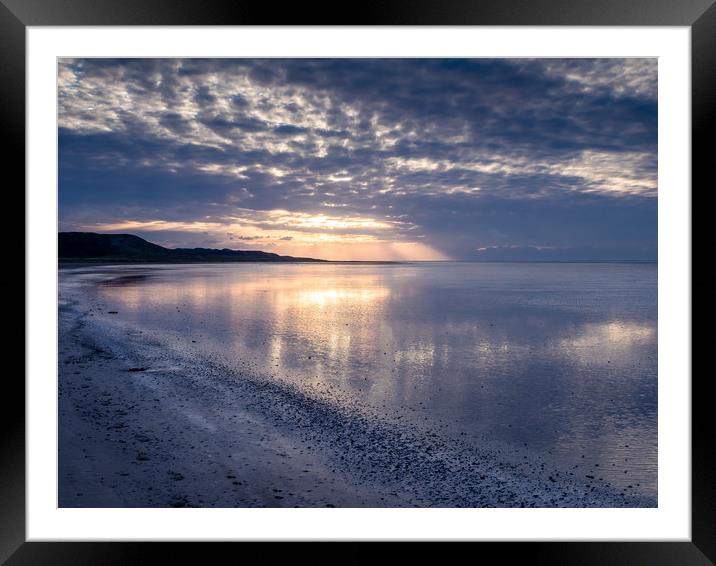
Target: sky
365, 159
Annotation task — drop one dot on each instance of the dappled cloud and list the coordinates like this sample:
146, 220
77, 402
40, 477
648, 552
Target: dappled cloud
409, 156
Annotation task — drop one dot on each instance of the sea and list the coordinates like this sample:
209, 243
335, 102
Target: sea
556, 358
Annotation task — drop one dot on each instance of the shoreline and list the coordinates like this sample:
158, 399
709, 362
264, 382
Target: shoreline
136, 437
65, 264
144, 424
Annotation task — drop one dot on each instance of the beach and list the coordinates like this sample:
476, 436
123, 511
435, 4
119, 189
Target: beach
155, 419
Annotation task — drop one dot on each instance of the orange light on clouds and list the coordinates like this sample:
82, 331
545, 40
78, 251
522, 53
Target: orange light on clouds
324, 236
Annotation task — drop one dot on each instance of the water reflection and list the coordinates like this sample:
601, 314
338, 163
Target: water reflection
561, 358
614, 339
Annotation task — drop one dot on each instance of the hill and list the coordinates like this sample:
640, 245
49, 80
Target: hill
127, 248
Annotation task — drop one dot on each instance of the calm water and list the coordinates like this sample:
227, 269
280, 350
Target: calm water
560, 357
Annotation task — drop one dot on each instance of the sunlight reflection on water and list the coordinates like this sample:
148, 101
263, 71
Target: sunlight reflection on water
562, 357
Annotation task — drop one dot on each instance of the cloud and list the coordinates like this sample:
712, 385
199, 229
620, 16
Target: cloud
347, 146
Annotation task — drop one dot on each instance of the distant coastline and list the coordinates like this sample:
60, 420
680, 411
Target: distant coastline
92, 248
77, 249
68, 263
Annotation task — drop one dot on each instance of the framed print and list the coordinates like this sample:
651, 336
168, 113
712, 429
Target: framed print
421, 276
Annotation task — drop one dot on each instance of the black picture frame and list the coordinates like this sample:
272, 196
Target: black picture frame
16, 15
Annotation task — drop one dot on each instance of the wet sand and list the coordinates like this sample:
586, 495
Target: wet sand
143, 423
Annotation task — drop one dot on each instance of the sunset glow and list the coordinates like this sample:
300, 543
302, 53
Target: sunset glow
364, 158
